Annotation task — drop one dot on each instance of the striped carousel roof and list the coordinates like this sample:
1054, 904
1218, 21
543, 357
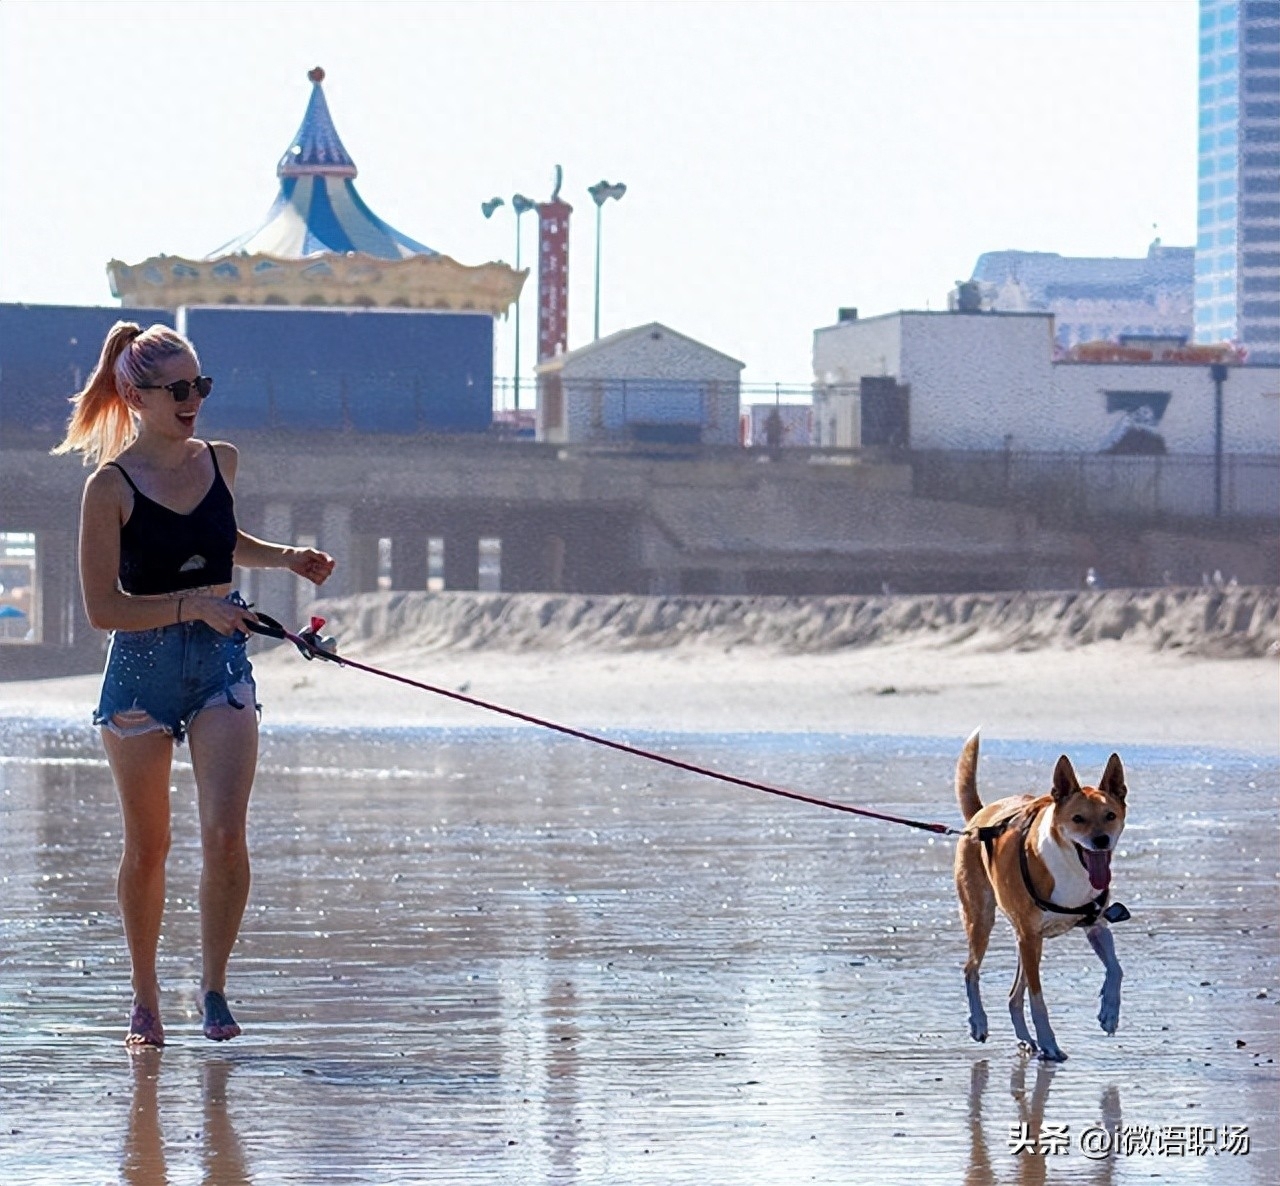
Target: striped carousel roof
318, 210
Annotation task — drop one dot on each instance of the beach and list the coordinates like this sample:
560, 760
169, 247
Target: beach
482, 953
1186, 667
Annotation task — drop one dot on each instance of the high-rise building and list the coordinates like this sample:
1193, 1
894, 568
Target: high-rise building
1237, 293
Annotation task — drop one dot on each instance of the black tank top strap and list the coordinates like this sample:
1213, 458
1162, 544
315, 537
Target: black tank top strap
132, 483
213, 453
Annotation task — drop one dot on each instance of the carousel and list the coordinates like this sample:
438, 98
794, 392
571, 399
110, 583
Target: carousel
320, 244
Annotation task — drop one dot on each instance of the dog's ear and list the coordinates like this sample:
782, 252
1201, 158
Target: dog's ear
1113, 779
1065, 783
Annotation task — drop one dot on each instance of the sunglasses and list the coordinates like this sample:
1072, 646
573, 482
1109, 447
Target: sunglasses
181, 389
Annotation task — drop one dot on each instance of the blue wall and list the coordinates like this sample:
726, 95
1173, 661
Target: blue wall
367, 370
46, 354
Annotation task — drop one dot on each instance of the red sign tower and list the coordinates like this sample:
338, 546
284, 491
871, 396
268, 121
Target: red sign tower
553, 274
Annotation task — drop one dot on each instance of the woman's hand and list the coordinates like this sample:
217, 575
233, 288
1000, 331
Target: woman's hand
221, 615
314, 566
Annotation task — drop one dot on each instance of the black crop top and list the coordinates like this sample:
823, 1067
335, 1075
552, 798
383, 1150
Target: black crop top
162, 551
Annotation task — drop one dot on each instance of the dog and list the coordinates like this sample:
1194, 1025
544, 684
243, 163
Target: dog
1046, 862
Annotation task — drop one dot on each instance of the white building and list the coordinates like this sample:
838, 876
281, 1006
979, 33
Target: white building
989, 381
647, 384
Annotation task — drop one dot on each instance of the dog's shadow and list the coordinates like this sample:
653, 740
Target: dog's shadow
1024, 1130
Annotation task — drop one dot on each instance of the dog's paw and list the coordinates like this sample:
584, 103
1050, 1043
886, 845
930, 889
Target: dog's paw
1109, 1013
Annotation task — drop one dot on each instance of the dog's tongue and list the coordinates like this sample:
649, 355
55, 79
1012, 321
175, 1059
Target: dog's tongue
1098, 865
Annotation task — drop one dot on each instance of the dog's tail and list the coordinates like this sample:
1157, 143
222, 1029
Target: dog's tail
967, 778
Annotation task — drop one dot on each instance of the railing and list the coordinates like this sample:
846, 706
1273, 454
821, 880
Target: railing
1073, 486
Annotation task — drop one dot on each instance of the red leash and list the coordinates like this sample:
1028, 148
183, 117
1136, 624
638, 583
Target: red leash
309, 643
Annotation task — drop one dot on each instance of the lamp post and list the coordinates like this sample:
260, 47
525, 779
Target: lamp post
600, 193
1218, 373
521, 205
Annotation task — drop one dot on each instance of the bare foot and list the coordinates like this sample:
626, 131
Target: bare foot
219, 1025
144, 1028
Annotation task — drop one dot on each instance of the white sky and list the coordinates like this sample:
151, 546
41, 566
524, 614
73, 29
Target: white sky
781, 159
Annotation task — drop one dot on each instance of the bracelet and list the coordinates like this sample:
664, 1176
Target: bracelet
179, 616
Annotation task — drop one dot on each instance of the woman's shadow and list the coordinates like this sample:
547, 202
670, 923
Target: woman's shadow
143, 1162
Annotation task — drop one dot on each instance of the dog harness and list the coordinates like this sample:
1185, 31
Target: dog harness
1088, 914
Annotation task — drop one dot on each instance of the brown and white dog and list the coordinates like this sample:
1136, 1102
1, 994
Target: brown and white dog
1046, 862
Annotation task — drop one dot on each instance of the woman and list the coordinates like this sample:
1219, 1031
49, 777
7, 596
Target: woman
158, 539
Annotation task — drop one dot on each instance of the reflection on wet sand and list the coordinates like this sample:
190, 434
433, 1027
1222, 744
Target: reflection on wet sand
222, 1157
1026, 1168
488, 959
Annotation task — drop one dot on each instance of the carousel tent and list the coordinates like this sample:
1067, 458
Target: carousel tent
318, 209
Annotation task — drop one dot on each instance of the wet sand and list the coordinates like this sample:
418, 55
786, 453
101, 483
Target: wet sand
484, 955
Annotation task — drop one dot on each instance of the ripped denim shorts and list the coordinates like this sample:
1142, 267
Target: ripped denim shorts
160, 679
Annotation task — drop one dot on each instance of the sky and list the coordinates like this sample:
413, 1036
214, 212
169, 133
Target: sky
781, 160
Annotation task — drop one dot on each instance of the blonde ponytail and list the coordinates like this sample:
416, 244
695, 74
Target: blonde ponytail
102, 425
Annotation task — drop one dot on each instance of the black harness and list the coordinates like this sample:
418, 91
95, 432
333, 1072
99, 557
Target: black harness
1088, 914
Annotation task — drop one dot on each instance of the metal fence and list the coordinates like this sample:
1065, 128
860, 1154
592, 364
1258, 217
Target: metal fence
1083, 485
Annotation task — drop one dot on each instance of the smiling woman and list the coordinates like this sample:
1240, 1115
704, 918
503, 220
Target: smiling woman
158, 543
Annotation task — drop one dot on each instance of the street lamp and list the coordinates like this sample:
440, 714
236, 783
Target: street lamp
600, 193
1218, 373
521, 205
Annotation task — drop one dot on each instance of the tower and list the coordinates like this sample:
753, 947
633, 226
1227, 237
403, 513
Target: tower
1237, 294
553, 273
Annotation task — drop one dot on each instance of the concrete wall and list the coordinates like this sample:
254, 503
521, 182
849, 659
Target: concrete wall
988, 381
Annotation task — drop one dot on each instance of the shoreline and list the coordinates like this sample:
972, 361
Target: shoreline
1110, 693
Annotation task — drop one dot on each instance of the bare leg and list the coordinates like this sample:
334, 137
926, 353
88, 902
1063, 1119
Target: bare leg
224, 753
140, 766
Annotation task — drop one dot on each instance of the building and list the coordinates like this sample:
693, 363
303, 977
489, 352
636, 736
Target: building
320, 244
1237, 272
322, 317
648, 384
1091, 298
993, 381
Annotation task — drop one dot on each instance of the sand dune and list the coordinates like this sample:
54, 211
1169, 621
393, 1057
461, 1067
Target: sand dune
1243, 622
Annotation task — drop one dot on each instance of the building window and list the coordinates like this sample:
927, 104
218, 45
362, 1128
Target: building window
1267, 309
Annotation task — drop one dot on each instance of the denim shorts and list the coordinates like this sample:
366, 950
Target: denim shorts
160, 679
